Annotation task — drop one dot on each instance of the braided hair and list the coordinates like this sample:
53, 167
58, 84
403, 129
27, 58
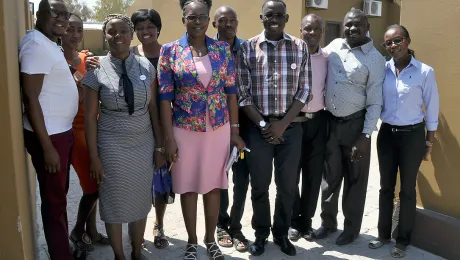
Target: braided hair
122, 17
405, 32
184, 3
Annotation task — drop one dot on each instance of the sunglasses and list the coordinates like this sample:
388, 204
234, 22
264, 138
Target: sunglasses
396, 41
64, 15
272, 16
194, 18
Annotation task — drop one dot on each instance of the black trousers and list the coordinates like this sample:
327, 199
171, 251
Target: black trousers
311, 166
403, 150
260, 160
240, 169
339, 167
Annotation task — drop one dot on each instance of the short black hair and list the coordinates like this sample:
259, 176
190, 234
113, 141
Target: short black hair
184, 3
147, 14
276, 1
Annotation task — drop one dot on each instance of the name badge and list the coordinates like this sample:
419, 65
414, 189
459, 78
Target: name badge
293, 66
142, 77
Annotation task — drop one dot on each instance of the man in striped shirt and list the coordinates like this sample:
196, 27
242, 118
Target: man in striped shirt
274, 78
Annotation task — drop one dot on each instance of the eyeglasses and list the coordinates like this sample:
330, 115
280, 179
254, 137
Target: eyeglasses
396, 41
272, 16
194, 18
64, 15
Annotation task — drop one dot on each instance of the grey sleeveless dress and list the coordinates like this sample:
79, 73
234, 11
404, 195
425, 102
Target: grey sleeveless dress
125, 142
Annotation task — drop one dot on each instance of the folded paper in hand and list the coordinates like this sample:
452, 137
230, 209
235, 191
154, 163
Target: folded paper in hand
232, 159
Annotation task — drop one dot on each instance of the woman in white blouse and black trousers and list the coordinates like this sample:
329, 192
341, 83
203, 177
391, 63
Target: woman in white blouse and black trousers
402, 142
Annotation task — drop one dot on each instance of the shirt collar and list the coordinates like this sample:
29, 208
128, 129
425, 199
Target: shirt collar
413, 61
236, 43
184, 42
263, 39
366, 48
319, 52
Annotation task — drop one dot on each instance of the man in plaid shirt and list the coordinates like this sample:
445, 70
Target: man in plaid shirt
274, 78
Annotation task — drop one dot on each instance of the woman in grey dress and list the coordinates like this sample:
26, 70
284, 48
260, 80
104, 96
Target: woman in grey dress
121, 143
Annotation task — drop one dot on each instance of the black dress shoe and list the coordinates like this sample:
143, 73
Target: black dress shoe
345, 239
258, 247
309, 235
286, 246
294, 234
323, 232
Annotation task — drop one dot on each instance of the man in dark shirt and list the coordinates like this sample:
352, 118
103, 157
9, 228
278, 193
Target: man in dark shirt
229, 227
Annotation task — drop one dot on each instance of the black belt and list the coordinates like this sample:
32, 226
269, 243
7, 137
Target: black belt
343, 119
310, 115
403, 128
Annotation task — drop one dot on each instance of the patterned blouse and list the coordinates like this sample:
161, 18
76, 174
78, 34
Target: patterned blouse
178, 81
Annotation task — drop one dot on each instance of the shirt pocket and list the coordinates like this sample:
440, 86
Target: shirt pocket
410, 95
356, 73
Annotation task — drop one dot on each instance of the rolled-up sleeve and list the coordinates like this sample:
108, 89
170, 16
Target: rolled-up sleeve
230, 87
374, 94
244, 76
430, 96
305, 79
165, 74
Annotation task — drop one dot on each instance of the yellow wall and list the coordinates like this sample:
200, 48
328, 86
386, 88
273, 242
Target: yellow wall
338, 8
250, 25
93, 40
249, 22
16, 209
436, 39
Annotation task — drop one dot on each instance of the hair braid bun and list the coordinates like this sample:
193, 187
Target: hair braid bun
184, 3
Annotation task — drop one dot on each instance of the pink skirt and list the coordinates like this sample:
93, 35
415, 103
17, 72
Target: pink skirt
203, 156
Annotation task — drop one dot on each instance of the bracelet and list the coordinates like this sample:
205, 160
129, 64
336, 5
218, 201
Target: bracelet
235, 125
161, 150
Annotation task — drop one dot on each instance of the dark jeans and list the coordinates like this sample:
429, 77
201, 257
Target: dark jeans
260, 160
53, 192
339, 167
311, 166
240, 170
403, 150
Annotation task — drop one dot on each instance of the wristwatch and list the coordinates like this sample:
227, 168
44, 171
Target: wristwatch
161, 150
262, 124
428, 143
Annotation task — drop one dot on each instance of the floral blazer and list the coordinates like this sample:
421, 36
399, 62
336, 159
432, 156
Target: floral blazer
178, 81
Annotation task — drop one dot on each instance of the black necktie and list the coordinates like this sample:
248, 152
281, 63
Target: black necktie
127, 88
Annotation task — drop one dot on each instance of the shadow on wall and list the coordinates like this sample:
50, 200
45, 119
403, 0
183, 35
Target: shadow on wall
446, 162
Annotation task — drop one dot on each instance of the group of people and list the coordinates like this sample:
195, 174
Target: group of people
147, 122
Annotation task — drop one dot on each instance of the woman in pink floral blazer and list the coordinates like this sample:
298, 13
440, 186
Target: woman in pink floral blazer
197, 75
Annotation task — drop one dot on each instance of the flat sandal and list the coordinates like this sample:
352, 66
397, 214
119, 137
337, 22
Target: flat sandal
191, 252
213, 251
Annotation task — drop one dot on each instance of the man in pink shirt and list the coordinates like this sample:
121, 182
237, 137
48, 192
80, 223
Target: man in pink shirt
314, 135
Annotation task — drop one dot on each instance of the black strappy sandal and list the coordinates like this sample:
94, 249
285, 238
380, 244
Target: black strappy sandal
191, 252
160, 240
213, 251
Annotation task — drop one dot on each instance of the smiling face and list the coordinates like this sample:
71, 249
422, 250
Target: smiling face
396, 43
196, 19
274, 19
74, 34
55, 19
146, 32
226, 23
355, 27
118, 35
312, 31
